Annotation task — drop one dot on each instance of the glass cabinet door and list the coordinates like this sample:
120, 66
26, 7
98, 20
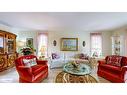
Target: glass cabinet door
116, 45
1, 43
10, 44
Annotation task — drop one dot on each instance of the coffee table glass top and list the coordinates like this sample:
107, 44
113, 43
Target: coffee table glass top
80, 69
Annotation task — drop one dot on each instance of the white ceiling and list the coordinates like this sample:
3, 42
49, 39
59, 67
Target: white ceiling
51, 20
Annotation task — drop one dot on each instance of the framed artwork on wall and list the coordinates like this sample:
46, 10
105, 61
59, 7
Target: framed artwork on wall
29, 42
69, 44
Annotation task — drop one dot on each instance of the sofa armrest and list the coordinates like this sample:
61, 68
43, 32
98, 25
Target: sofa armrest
101, 61
124, 72
124, 68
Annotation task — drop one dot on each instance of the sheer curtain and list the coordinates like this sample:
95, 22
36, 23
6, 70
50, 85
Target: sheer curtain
42, 44
96, 44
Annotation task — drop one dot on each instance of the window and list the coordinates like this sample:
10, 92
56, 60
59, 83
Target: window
42, 44
96, 44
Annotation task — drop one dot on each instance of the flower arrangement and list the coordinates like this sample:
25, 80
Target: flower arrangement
75, 64
26, 51
95, 54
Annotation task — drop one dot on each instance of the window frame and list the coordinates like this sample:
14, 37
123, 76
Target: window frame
93, 34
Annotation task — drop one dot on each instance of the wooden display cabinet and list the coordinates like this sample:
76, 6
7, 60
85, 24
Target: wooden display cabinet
7, 50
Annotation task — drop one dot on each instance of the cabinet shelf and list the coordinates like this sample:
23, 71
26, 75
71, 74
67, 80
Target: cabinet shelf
116, 44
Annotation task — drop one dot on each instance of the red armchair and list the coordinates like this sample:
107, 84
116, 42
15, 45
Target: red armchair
116, 74
33, 74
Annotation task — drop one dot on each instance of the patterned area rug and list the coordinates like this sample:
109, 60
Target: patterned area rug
63, 77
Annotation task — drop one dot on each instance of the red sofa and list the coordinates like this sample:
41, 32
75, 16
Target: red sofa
116, 74
33, 74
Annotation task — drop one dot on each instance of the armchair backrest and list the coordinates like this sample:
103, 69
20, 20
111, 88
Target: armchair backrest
123, 60
19, 61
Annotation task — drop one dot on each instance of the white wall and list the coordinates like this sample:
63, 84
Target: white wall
82, 36
106, 43
57, 35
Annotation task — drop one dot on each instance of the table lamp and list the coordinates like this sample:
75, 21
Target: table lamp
43, 50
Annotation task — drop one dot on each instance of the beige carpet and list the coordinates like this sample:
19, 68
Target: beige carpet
63, 77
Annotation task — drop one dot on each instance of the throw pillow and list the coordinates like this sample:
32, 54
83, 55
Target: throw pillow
30, 62
27, 62
55, 56
33, 62
83, 56
114, 60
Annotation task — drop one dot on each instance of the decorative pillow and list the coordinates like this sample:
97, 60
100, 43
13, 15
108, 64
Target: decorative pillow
30, 62
114, 60
83, 56
33, 62
55, 56
27, 62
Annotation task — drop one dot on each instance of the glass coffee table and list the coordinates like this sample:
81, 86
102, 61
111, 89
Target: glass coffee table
80, 69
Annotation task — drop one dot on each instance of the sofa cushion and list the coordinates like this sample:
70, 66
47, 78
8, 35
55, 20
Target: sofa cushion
38, 69
111, 67
57, 63
58, 60
114, 60
71, 55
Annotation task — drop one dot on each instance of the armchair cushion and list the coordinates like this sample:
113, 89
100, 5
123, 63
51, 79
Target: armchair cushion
38, 68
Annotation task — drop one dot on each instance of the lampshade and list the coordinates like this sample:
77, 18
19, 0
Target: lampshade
43, 49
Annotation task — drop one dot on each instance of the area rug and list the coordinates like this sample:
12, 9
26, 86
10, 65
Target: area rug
64, 77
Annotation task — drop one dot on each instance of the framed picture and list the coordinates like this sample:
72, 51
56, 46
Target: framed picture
29, 42
69, 44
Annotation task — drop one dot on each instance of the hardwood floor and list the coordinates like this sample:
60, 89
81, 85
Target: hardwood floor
11, 76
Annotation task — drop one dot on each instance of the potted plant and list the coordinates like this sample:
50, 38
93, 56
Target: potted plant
26, 51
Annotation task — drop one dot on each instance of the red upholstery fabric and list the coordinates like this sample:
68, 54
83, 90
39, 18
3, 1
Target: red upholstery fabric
112, 73
110, 67
32, 74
